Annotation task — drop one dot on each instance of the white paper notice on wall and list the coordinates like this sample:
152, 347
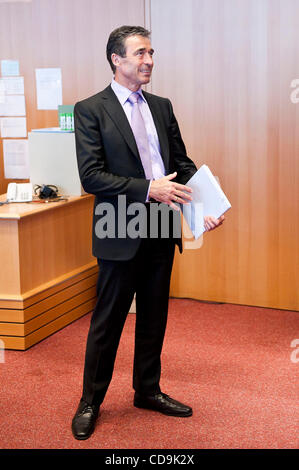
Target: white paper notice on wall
48, 88
10, 68
16, 160
13, 105
12, 85
2, 92
13, 127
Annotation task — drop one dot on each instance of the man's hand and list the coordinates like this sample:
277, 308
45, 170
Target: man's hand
164, 190
210, 222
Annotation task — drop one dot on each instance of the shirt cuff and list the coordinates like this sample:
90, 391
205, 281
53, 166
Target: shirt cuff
149, 187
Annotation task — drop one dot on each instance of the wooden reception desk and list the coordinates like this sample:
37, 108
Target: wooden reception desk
47, 274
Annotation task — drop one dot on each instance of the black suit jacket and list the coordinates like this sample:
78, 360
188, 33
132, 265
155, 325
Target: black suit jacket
109, 163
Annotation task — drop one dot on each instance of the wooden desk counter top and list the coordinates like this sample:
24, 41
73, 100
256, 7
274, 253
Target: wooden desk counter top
49, 275
16, 210
57, 234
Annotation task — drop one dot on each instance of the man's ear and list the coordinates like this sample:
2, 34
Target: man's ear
115, 59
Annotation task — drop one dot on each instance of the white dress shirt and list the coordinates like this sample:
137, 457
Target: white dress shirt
123, 94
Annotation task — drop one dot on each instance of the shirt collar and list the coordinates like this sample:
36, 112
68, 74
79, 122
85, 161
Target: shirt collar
123, 93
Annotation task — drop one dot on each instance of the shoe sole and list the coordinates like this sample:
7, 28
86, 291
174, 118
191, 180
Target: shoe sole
167, 413
82, 438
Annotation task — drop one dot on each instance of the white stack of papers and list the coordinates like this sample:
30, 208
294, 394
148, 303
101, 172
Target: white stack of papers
207, 199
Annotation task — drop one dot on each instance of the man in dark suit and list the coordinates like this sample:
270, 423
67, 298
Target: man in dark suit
129, 145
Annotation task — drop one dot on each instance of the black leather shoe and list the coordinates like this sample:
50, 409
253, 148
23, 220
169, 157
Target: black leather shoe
162, 403
83, 423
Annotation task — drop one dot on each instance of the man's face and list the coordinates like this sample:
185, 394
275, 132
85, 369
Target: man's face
135, 69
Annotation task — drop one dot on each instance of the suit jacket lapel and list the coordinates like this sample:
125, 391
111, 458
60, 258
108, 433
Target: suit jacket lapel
117, 114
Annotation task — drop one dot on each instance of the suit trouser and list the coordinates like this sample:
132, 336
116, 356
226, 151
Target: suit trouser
147, 275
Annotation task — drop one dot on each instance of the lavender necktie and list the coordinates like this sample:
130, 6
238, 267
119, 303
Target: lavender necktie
140, 134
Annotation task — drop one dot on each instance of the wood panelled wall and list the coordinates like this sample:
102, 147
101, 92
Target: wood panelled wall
71, 34
227, 67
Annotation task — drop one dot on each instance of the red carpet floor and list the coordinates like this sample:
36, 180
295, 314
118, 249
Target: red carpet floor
231, 363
